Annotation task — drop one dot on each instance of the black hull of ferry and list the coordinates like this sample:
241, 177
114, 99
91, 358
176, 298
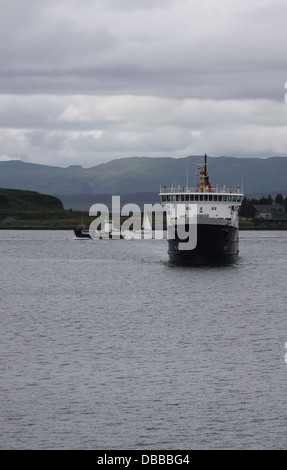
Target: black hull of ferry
216, 245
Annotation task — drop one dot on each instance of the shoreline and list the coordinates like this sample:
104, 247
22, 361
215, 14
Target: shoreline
72, 227
39, 227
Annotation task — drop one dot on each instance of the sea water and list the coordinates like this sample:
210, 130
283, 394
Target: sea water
105, 345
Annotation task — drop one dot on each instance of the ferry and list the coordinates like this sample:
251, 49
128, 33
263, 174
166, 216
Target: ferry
202, 222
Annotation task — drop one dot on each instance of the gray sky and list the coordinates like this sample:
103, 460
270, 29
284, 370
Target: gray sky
87, 81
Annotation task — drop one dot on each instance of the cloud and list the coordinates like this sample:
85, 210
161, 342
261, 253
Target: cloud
175, 48
86, 81
7, 158
90, 129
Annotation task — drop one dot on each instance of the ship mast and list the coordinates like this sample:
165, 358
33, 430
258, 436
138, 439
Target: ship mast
204, 184
207, 183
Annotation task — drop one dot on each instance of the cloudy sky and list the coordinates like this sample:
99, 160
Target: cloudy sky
87, 81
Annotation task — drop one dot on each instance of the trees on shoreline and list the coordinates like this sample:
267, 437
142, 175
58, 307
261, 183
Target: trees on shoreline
247, 208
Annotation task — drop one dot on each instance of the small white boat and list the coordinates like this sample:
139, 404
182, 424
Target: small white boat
145, 232
109, 232
146, 227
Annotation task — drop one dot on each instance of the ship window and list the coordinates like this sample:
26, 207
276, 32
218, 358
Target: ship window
196, 197
210, 197
187, 197
215, 198
177, 197
234, 198
224, 198
220, 198
182, 197
163, 198
201, 197
168, 197
205, 197
229, 198
192, 197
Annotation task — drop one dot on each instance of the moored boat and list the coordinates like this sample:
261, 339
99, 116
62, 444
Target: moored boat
108, 232
82, 232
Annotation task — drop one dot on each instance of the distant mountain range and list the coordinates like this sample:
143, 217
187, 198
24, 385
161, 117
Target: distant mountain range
130, 176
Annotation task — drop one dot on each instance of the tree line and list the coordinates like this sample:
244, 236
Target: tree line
247, 208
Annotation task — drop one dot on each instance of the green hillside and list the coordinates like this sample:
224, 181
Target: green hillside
30, 208
22, 201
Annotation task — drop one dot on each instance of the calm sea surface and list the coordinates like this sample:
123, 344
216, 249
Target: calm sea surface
103, 345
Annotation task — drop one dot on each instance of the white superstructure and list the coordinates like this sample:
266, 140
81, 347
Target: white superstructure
203, 202
216, 204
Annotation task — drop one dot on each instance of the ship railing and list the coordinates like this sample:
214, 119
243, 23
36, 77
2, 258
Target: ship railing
183, 189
